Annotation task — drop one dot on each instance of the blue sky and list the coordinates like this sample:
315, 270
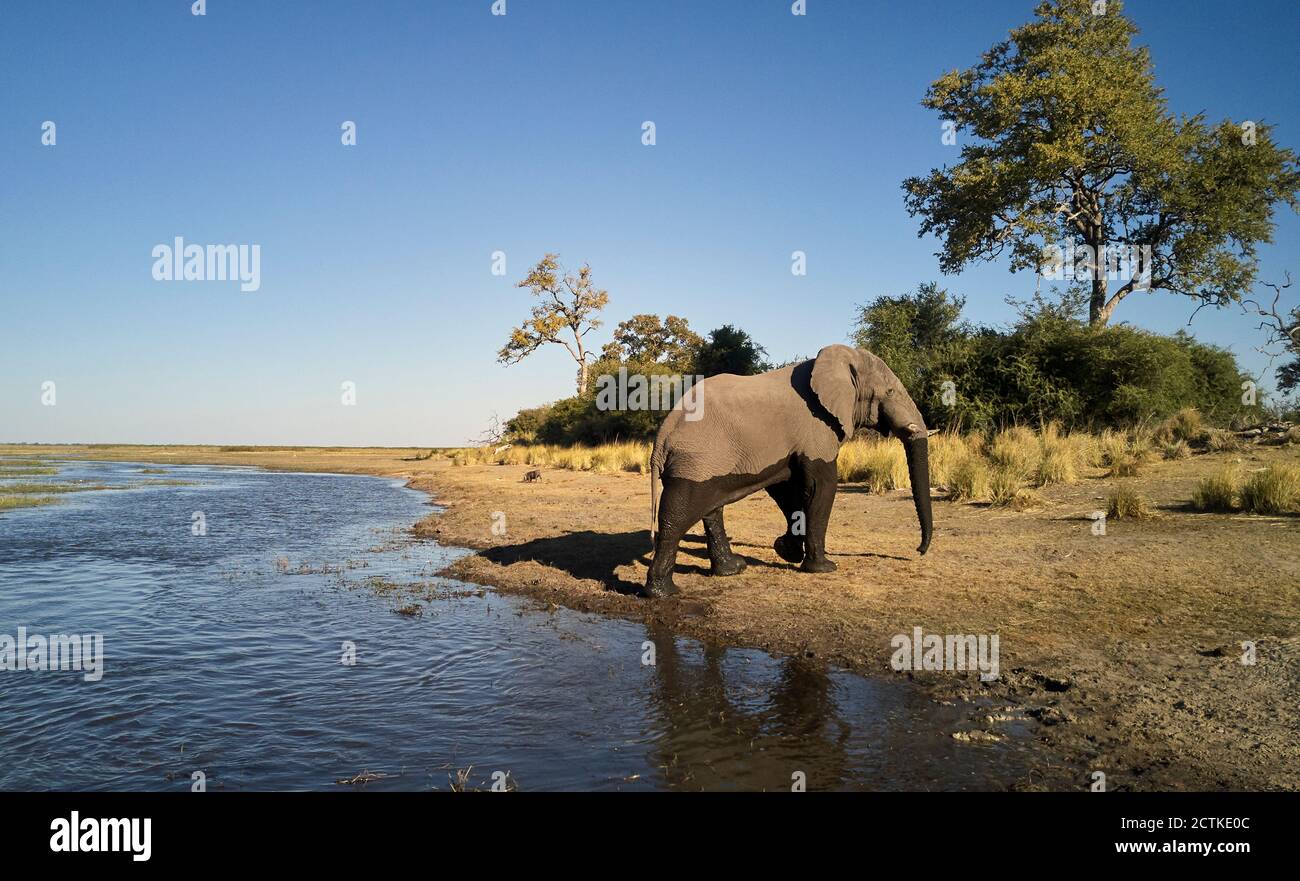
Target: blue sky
478, 133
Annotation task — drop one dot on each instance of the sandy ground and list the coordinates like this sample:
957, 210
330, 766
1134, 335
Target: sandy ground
1126, 648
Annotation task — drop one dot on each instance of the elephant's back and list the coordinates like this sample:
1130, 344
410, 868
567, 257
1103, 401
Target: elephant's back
745, 425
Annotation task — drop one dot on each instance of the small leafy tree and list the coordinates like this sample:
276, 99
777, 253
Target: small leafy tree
565, 314
911, 332
730, 350
1072, 144
644, 339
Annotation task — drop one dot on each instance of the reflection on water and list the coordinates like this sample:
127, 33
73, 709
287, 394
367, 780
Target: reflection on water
224, 655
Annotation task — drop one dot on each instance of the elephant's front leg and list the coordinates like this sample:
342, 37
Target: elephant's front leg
721, 558
819, 483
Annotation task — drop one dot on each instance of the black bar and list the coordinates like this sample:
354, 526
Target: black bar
328, 829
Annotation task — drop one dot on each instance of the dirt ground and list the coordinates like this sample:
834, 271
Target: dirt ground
1125, 647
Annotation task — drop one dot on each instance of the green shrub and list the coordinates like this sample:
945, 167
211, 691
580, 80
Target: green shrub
1050, 365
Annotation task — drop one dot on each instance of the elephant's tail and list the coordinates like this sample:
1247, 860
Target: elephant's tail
654, 499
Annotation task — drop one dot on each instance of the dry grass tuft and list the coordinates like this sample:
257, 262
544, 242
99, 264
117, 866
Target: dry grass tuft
881, 464
1126, 503
1218, 492
1058, 464
1185, 425
1126, 465
1275, 490
1016, 450
969, 480
631, 456
1218, 441
947, 451
1004, 486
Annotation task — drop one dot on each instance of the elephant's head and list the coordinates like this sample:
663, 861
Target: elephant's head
859, 390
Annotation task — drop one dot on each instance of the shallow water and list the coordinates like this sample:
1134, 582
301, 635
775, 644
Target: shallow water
223, 655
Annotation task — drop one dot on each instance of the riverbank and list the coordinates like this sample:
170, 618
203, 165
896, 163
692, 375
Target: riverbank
1124, 649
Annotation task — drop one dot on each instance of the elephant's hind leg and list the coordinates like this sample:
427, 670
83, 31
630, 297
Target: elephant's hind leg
677, 514
721, 558
789, 498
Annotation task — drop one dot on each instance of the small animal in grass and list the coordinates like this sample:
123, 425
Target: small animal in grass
532, 476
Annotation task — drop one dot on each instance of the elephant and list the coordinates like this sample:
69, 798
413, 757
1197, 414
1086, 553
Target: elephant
779, 431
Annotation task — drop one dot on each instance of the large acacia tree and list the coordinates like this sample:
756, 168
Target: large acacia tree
1068, 141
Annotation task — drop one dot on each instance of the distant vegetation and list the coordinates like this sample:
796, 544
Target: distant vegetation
1050, 365
643, 345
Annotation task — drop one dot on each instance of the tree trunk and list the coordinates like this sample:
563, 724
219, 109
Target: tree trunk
1098, 314
582, 377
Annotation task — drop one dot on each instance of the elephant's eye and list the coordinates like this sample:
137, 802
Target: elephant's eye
889, 393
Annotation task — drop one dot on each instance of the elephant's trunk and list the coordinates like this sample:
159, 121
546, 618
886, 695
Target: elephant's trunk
918, 469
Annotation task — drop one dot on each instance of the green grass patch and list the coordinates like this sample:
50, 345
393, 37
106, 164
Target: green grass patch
27, 471
23, 489
8, 502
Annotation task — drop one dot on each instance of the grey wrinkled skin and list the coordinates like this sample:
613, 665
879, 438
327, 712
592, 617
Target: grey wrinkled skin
780, 431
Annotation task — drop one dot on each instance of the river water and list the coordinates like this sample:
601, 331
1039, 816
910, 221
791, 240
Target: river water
252, 640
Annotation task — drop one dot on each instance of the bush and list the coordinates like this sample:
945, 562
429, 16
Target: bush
1050, 365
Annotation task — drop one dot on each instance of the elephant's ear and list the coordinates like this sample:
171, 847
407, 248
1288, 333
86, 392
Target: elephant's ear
834, 382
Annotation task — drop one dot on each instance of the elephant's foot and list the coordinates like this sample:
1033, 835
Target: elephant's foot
658, 588
732, 565
789, 548
813, 565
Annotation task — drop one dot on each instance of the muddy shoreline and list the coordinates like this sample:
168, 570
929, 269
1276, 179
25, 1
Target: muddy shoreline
1123, 652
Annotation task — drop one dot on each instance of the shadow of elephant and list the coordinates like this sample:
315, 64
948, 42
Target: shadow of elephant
597, 556
585, 555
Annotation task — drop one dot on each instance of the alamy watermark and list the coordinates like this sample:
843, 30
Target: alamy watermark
637, 391
951, 652
83, 652
181, 262
1084, 263
77, 834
